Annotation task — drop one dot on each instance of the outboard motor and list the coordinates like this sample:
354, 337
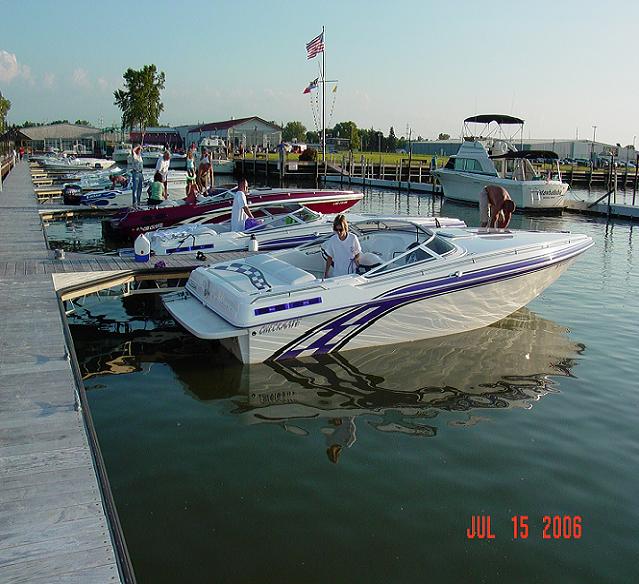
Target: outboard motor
71, 194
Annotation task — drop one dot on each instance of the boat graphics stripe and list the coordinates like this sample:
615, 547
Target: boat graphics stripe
255, 276
338, 331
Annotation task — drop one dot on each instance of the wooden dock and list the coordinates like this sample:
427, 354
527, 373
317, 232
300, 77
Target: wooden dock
54, 522
58, 521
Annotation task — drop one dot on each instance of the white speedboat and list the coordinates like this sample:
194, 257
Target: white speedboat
492, 159
70, 163
99, 190
277, 227
418, 281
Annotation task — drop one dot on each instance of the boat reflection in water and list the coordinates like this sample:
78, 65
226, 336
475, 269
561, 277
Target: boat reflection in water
506, 365
400, 388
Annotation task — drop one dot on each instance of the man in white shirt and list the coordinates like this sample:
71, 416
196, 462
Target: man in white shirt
240, 212
162, 166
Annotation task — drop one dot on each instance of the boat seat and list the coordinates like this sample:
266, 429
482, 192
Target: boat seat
386, 246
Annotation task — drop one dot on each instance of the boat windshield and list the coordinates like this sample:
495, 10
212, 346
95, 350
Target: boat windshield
427, 246
297, 215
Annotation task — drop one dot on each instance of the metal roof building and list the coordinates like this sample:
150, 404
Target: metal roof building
61, 136
247, 132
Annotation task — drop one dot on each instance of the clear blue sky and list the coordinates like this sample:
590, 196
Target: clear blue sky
559, 65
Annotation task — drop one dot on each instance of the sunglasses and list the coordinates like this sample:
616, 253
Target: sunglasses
338, 230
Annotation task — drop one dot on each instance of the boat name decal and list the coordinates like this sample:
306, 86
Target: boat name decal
546, 193
278, 326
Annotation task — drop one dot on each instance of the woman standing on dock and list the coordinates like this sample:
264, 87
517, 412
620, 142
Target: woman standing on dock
135, 165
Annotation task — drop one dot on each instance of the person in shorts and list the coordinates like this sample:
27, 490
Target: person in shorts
495, 207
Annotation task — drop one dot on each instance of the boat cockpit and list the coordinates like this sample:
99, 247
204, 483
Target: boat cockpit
387, 245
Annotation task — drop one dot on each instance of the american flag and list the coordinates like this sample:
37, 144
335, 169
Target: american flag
315, 47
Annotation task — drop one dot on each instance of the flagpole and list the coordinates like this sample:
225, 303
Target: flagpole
324, 98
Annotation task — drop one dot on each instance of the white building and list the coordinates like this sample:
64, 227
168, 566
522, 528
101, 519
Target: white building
245, 132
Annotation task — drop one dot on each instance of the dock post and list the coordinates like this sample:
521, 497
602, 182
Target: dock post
634, 187
421, 164
399, 174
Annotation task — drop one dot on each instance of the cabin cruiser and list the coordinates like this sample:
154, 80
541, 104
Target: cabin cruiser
216, 207
122, 152
490, 158
276, 227
218, 152
152, 152
416, 281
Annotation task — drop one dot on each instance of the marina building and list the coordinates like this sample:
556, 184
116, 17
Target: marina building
70, 137
162, 136
245, 132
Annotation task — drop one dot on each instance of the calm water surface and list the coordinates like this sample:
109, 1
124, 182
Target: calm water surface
367, 466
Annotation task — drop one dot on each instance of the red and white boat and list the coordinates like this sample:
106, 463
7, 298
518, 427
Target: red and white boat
217, 208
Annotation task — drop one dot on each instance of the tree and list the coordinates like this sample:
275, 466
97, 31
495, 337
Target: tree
348, 130
5, 106
82, 123
294, 131
443, 137
391, 141
312, 137
140, 100
58, 122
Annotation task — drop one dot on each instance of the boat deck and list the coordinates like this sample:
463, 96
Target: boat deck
57, 521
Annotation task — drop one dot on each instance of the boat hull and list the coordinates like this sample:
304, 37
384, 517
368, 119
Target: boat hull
534, 195
466, 305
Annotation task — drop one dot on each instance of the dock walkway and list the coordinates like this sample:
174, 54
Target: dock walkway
53, 523
58, 522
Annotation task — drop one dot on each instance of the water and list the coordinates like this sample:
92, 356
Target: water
367, 466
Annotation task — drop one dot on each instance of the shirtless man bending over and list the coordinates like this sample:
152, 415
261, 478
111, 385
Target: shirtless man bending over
495, 207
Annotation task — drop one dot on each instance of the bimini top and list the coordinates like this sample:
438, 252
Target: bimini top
488, 118
528, 154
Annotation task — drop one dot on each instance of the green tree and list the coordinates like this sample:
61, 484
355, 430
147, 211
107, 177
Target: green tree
140, 101
58, 122
348, 130
82, 123
294, 131
443, 137
312, 137
391, 141
5, 106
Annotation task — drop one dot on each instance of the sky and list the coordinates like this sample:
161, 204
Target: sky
562, 66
